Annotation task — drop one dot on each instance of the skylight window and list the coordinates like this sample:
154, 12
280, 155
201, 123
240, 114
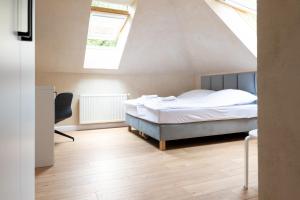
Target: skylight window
244, 5
105, 28
102, 4
240, 17
106, 35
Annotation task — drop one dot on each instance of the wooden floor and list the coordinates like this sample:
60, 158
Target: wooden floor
115, 164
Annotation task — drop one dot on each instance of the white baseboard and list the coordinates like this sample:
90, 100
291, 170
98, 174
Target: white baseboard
83, 127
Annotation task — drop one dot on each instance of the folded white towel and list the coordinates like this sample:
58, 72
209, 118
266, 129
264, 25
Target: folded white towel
170, 98
150, 96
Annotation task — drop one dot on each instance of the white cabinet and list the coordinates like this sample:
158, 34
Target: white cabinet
44, 126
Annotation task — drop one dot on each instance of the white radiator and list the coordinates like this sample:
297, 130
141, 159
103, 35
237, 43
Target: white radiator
102, 108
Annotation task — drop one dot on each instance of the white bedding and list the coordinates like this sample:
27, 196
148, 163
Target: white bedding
137, 105
196, 106
195, 94
228, 97
189, 115
190, 95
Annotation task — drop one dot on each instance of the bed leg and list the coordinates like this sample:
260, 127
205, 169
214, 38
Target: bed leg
162, 145
129, 129
143, 135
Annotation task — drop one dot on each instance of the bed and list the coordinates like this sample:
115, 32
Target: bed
175, 124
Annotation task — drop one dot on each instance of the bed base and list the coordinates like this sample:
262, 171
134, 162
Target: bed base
143, 135
167, 132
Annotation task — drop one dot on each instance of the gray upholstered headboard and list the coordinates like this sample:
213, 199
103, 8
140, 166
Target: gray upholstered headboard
242, 81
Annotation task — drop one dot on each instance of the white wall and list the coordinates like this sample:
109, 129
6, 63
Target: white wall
136, 85
279, 111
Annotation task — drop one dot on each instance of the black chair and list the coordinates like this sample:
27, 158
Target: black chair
63, 110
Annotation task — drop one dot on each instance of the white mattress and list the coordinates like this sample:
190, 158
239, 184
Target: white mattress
189, 115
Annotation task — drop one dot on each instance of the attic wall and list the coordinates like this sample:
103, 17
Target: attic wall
135, 85
243, 25
167, 36
154, 44
61, 32
213, 48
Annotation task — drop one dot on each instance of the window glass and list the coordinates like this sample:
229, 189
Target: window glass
106, 25
104, 29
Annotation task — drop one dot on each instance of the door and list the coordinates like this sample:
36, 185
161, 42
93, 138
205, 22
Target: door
16, 105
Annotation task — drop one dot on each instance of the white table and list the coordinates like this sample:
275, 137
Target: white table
252, 135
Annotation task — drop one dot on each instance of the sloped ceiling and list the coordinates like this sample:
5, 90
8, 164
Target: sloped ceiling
212, 46
167, 36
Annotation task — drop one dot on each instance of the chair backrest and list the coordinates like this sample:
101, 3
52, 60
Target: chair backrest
63, 110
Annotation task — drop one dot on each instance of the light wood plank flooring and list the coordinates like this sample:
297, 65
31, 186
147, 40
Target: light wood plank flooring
115, 164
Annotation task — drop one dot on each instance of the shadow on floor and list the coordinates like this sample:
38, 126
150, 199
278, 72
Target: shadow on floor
41, 170
193, 142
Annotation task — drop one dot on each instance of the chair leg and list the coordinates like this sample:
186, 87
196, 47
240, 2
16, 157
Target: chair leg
65, 135
246, 161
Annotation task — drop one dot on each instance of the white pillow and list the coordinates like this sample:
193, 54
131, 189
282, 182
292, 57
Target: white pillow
195, 94
229, 97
